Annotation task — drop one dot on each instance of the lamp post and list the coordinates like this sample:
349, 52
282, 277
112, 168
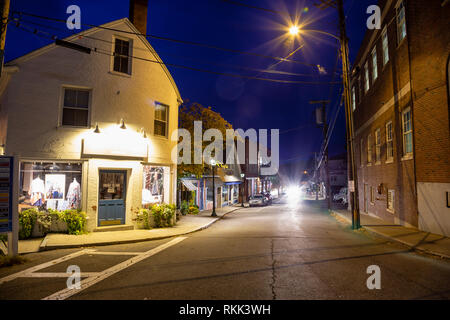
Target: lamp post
213, 165
242, 189
343, 40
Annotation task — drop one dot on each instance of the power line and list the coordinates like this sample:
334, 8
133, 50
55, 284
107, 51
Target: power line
170, 39
97, 50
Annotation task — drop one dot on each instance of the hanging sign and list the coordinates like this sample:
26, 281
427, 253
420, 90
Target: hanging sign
6, 193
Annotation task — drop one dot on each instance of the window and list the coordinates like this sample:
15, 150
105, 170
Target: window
160, 120
389, 142
353, 98
369, 149
390, 200
122, 49
401, 22
385, 42
361, 152
366, 76
372, 195
378, 146
407, 132
155, 186
374, 65
75, 107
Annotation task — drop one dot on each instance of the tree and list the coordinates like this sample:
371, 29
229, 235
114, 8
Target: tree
190, 112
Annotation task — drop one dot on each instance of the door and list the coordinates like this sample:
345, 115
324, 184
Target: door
111, 197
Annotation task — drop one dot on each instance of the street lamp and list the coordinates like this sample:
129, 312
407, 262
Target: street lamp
343, 40
213, 165
243, 187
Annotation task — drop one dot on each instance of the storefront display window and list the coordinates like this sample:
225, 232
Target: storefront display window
156, 185
50, 185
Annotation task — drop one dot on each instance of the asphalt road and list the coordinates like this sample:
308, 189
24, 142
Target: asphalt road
281, 251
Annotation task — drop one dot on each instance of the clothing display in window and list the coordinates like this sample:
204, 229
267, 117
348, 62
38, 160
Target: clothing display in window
74, 195
37, 192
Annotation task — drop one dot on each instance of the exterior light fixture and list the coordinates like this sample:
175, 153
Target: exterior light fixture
97, 130
294, 30
122, 126
144, 134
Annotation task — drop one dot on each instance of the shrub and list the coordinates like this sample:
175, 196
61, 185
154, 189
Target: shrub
184, 207
44, 220
193, 209
27, 219
142, 217
76, 221
163, 215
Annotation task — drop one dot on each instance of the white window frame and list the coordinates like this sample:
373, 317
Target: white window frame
374, 64
366, 77
405, 133
61, 110
378, 146
401, 23
166, 121
389, 142
369, 149
130, 54
385, 46
390, 205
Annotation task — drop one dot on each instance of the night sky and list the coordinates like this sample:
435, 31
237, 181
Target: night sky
244, 103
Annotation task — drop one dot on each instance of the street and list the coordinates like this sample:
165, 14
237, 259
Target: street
282, 251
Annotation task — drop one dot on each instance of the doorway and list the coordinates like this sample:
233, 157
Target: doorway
111, 197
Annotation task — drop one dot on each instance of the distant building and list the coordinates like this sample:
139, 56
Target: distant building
92, 131
400, 98
337, 166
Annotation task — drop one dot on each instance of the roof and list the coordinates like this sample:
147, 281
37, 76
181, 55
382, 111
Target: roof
91, 31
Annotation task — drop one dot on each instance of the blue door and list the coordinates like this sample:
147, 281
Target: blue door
111, 197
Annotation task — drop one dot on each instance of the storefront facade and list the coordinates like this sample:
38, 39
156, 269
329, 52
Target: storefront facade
99, 139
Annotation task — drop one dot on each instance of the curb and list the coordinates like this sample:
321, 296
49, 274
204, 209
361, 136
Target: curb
43, 246
414, 248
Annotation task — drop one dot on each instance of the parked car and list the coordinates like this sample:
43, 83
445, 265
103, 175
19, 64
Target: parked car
257, 200
341, 196
268, 196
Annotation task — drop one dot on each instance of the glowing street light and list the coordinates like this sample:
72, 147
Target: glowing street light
213, 165
294, 30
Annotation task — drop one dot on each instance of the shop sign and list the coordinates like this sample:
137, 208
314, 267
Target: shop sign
112, 147
6, 193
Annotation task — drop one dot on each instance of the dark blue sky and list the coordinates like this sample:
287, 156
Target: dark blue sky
245, 103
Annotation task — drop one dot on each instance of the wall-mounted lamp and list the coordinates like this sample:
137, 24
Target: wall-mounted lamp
122, 126
144, 134
97, 130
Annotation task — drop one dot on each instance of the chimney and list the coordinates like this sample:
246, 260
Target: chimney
138, 14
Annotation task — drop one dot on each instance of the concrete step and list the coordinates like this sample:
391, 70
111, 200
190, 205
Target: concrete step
122, 227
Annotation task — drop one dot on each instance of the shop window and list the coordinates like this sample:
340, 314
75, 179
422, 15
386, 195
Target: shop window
49, 185
156, 185
161, 112
76, 107
122, 53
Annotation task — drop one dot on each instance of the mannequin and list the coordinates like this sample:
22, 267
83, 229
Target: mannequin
74, 194
37, 192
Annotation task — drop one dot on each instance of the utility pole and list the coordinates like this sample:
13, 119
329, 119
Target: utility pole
325, 157
353, 177
4, 24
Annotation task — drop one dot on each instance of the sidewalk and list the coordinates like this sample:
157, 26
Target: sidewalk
415, 239
187, 224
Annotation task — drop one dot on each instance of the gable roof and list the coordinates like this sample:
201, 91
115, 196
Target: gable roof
91, 31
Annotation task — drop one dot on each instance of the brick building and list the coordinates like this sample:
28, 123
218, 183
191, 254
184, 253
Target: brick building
400, 96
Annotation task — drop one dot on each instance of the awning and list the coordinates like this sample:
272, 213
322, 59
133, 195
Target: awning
188, 184
233, 182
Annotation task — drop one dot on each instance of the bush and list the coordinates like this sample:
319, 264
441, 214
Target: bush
76, 221
142, 217
163, 215
27, 219
184, 207
193, 209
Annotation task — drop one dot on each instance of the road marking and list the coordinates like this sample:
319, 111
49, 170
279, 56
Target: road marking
90, 281
116, 253
58, 275
22, 274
